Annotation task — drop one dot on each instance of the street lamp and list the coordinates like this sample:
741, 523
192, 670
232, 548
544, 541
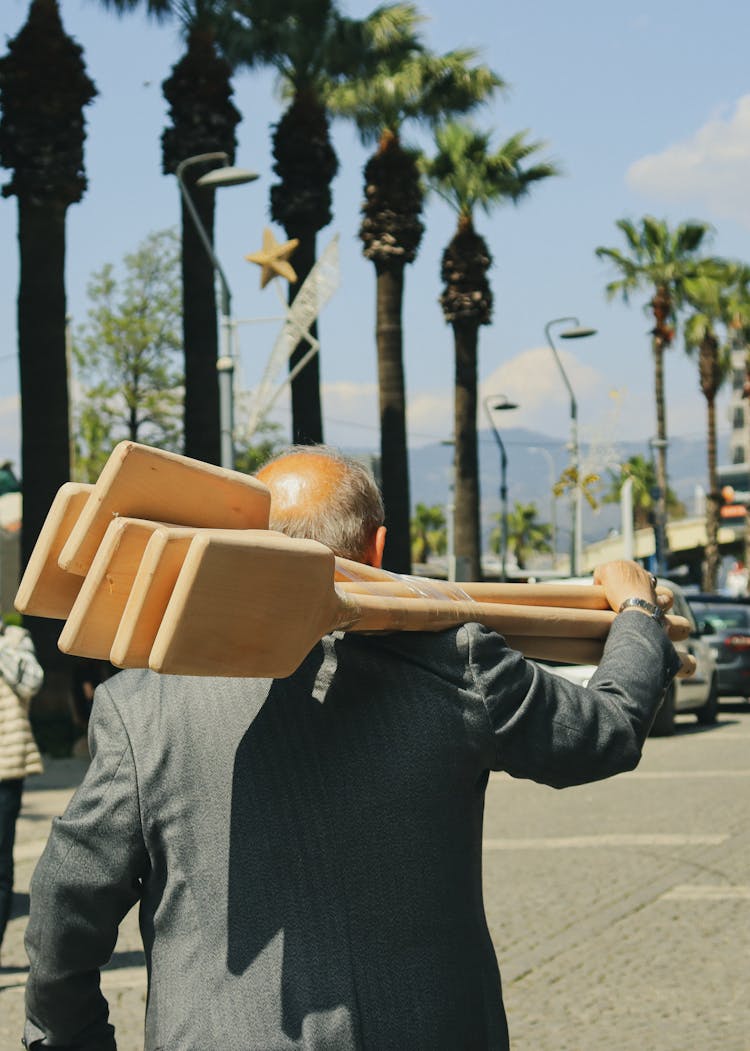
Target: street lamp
226, 175
660, 506
499, 403
576, 539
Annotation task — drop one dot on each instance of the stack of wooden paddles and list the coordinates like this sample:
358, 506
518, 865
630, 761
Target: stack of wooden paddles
168, 563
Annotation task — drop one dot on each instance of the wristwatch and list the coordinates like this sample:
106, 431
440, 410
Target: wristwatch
648, 607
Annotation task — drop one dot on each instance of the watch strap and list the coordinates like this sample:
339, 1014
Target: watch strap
648, 607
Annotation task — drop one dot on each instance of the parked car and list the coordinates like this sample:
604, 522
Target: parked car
724, 623
698, 694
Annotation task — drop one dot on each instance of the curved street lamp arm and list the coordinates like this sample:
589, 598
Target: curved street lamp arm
495, 431
226, 297
548, 334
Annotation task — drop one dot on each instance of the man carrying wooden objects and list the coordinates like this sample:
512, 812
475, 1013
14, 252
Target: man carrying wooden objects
306, 851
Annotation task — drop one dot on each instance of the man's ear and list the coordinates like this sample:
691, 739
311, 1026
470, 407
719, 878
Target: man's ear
377, 546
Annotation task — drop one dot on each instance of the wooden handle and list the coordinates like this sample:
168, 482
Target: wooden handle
571, 596
366, 612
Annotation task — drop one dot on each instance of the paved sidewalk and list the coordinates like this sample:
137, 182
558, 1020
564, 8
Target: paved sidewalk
124, 980
620, 911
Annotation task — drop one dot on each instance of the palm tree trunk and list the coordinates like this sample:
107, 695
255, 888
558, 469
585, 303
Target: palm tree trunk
660, 503
393, 442
200, 340
713, 503
45, 464
466, 463
307, 413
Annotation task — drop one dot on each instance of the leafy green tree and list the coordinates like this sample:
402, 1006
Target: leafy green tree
251, 454
127, 356
642, 472
43, 91
428, 532
708, 331
203, 120
404, 85
658, 260
469, 176
526, 535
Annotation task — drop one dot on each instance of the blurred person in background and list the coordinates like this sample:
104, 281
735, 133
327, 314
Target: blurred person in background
20, 679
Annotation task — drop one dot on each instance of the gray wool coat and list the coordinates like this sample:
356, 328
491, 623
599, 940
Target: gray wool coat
306, 852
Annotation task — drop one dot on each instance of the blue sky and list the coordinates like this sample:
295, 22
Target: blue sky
646, 109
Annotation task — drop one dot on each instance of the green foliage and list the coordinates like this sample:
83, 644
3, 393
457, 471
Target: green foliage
659, 260
468, 175
400, 80
428, 532
643, 474
127, 356
251, 453
568, 482
526, 535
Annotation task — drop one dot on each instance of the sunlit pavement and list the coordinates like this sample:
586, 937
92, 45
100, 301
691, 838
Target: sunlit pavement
620, 911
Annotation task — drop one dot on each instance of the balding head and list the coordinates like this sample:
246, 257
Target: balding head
319, 494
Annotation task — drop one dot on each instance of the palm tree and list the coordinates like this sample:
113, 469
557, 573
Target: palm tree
43, 91
310, 46
710, 311
658, 260
199, 93
642, 473
526, 535
468, 176
403, 84
428, 532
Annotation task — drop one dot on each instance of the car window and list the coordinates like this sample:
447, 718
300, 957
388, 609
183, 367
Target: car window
722, 617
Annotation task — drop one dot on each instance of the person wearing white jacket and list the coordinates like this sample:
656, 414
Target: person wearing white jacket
20, 678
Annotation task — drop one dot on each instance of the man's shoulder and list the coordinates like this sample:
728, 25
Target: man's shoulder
144, 698
444, 654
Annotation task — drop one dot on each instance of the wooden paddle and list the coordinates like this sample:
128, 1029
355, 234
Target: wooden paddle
99, 605
140, 482
45, 589
212, 626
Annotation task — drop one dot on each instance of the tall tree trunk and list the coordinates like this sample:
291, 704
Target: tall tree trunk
307, 412
713, 504
467, 534
393, 442
660, 503
45, 464
199, 327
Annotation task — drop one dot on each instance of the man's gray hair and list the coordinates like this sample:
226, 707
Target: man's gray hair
347, 522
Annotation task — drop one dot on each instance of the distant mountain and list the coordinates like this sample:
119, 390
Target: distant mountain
530, 476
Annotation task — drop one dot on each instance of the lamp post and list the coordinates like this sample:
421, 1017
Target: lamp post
660, 512
491, 403
576, 532
226, 175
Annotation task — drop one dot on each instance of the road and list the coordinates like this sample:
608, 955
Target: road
620, 911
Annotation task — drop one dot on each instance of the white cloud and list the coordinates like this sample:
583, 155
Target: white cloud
10, 424
712, 167
533, 381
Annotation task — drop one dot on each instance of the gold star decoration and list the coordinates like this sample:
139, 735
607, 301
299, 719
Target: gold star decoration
273, 258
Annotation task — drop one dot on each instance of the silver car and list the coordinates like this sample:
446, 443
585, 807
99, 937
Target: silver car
698, 694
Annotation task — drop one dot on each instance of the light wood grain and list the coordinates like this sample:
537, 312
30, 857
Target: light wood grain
93, 621
141, 482
45, 589
212, 626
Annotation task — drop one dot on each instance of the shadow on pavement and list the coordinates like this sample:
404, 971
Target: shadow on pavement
20, 906
131, 958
